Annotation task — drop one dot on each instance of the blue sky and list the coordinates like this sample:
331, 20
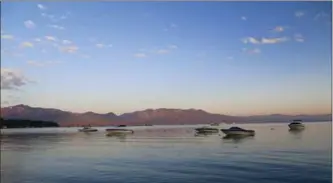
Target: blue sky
237, 58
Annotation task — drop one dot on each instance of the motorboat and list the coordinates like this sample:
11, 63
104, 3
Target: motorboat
206, 130
88, 129
121, 125
118, 131
236, 131
296, 125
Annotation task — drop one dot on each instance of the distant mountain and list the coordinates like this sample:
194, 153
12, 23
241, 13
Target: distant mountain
149, 116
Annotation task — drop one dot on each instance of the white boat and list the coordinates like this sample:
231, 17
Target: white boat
236, 131
296, 125
88, 129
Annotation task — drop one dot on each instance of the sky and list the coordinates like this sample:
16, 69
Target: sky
234, 58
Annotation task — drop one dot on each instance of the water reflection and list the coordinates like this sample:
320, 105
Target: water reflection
237, 138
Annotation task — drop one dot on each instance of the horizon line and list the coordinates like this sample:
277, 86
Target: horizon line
170, 109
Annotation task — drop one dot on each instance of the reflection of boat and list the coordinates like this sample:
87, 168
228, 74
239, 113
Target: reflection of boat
236, 131
237, 138
115, 131
207, 130
88, 129
296, 125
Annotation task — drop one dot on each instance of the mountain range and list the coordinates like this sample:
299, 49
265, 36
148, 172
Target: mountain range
149, 116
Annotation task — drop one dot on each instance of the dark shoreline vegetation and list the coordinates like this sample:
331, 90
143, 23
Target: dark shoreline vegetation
22, 123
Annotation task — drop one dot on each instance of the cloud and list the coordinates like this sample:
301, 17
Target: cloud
54, 18
50, 38
41, 7
42, 64
27, 45
299, 14
37, 40
244, 18
163, 51
12, 79
299, 38
66, 42
99, 45
171, 26
279, 29
69, 49
321, 15
140, 55
252, 51
57, 27
263, 40
7, 36
29, 24
173, 46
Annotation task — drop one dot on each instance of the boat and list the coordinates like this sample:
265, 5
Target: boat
119, 131
121, 125
236, 131
206, 130
88, 129
215, 124
296, 125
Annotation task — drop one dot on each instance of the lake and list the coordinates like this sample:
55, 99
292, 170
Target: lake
167, 154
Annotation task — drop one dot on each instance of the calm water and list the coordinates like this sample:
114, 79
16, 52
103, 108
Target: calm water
167, 154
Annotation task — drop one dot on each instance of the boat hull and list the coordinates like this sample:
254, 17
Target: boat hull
88, 130
124, 131
238, 133
296, 127
206, 130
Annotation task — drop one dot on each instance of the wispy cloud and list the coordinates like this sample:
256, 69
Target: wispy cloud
252, 50
173, 47
42, 64
54, 18
299, 38
162, 51
12, 79
171, 26
57, 27
100, 45
66, 42
69, 49
37, 40
7, 36
27, 45
321, 15
29, 24
41, 7
50, 38
299, 14
263, 40
140, 55
244, 18
279, 29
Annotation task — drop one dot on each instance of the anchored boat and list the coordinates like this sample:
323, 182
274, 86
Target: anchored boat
207, 130
88, 129
236, 131
296, 125
115, 131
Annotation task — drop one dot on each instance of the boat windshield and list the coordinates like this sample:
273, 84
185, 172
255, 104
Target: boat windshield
235, 128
